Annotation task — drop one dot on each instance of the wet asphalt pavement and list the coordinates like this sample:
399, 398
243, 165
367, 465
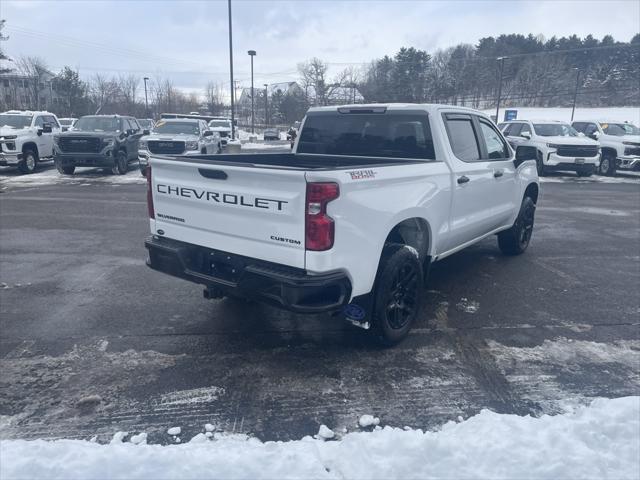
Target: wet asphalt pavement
93, 342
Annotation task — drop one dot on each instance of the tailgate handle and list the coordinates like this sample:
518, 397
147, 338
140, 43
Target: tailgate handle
217, 174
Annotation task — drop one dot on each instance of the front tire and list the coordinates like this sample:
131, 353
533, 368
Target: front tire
29, 162
398, 291
516, 240
607, 165
122, 165
65, 169
542, 171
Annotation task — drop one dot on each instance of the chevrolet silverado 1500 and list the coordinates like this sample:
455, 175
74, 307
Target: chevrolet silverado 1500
350, 222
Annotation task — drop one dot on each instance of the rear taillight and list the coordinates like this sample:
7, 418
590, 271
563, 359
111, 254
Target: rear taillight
152, 213
319, 227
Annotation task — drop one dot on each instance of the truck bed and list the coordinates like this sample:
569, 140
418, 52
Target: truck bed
297, 161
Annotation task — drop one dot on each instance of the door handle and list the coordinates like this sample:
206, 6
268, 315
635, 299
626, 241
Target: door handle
498, 173
463, 179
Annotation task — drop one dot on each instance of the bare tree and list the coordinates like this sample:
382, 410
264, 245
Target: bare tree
214, 98
103, 91
34, 69
128, 88
312, 76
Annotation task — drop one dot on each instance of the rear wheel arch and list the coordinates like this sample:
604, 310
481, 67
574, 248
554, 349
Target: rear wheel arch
414, 232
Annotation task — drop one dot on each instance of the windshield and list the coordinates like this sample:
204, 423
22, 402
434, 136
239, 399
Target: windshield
177, 128
98, 124
554, 130
15, 121
620, 129
220, 123
65, 121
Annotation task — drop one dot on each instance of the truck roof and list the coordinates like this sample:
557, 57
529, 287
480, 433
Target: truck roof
27, 112
431, 107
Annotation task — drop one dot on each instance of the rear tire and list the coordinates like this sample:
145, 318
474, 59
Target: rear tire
29, 162
398, 292
516, 240
122, 164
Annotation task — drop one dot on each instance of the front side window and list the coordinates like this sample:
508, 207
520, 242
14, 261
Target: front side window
52, 121
39, 121
554, 130
620, 129
177, 128
462, 137
368, 134
525, 129
497, 148
514, 130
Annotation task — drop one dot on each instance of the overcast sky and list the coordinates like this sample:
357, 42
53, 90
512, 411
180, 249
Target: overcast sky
188, 40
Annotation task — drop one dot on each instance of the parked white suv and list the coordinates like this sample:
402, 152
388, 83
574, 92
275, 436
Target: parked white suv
558, 145
352, 220
619, 141
26, 138
178, 136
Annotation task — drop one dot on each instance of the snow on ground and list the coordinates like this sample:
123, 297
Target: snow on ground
623, 114
599, 441
86, 176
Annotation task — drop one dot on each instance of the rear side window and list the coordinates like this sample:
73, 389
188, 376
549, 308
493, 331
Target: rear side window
372, 135
462, 137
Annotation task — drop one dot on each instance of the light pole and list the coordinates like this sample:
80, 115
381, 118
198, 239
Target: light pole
575, 93
146, 100
232, 91
266, 104
501, 59
252, 53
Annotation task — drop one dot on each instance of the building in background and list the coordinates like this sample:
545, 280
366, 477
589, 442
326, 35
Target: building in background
19, 91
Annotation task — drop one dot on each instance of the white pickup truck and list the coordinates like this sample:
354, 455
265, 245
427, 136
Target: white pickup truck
350, 222
619, 142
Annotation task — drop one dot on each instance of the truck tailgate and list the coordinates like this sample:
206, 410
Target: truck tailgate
251, 211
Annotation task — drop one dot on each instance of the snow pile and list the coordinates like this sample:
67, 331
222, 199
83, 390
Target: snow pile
600, 441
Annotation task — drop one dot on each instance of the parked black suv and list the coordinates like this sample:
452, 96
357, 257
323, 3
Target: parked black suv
108, 141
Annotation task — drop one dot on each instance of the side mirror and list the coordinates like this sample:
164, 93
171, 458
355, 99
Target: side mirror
526, 135
207, 133
580, 134
524, 154
47, 127
595, 135
146, 132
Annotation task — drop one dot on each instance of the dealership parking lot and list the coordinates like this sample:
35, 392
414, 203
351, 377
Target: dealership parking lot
93, 342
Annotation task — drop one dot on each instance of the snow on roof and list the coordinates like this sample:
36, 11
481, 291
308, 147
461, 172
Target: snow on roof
597, 441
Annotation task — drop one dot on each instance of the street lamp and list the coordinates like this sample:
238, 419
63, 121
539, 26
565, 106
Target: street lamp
266, 104
232, 92
252, 53
575, 93
501, 60
146, 100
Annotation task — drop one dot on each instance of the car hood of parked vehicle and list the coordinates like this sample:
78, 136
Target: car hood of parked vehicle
83, 133
183, 137
566, 140
628, 138
10, 131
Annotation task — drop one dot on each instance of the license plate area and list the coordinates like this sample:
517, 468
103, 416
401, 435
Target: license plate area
579, 160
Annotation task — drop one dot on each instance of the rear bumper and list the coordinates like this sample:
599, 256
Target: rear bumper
285, 287
85, 159
7, 159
